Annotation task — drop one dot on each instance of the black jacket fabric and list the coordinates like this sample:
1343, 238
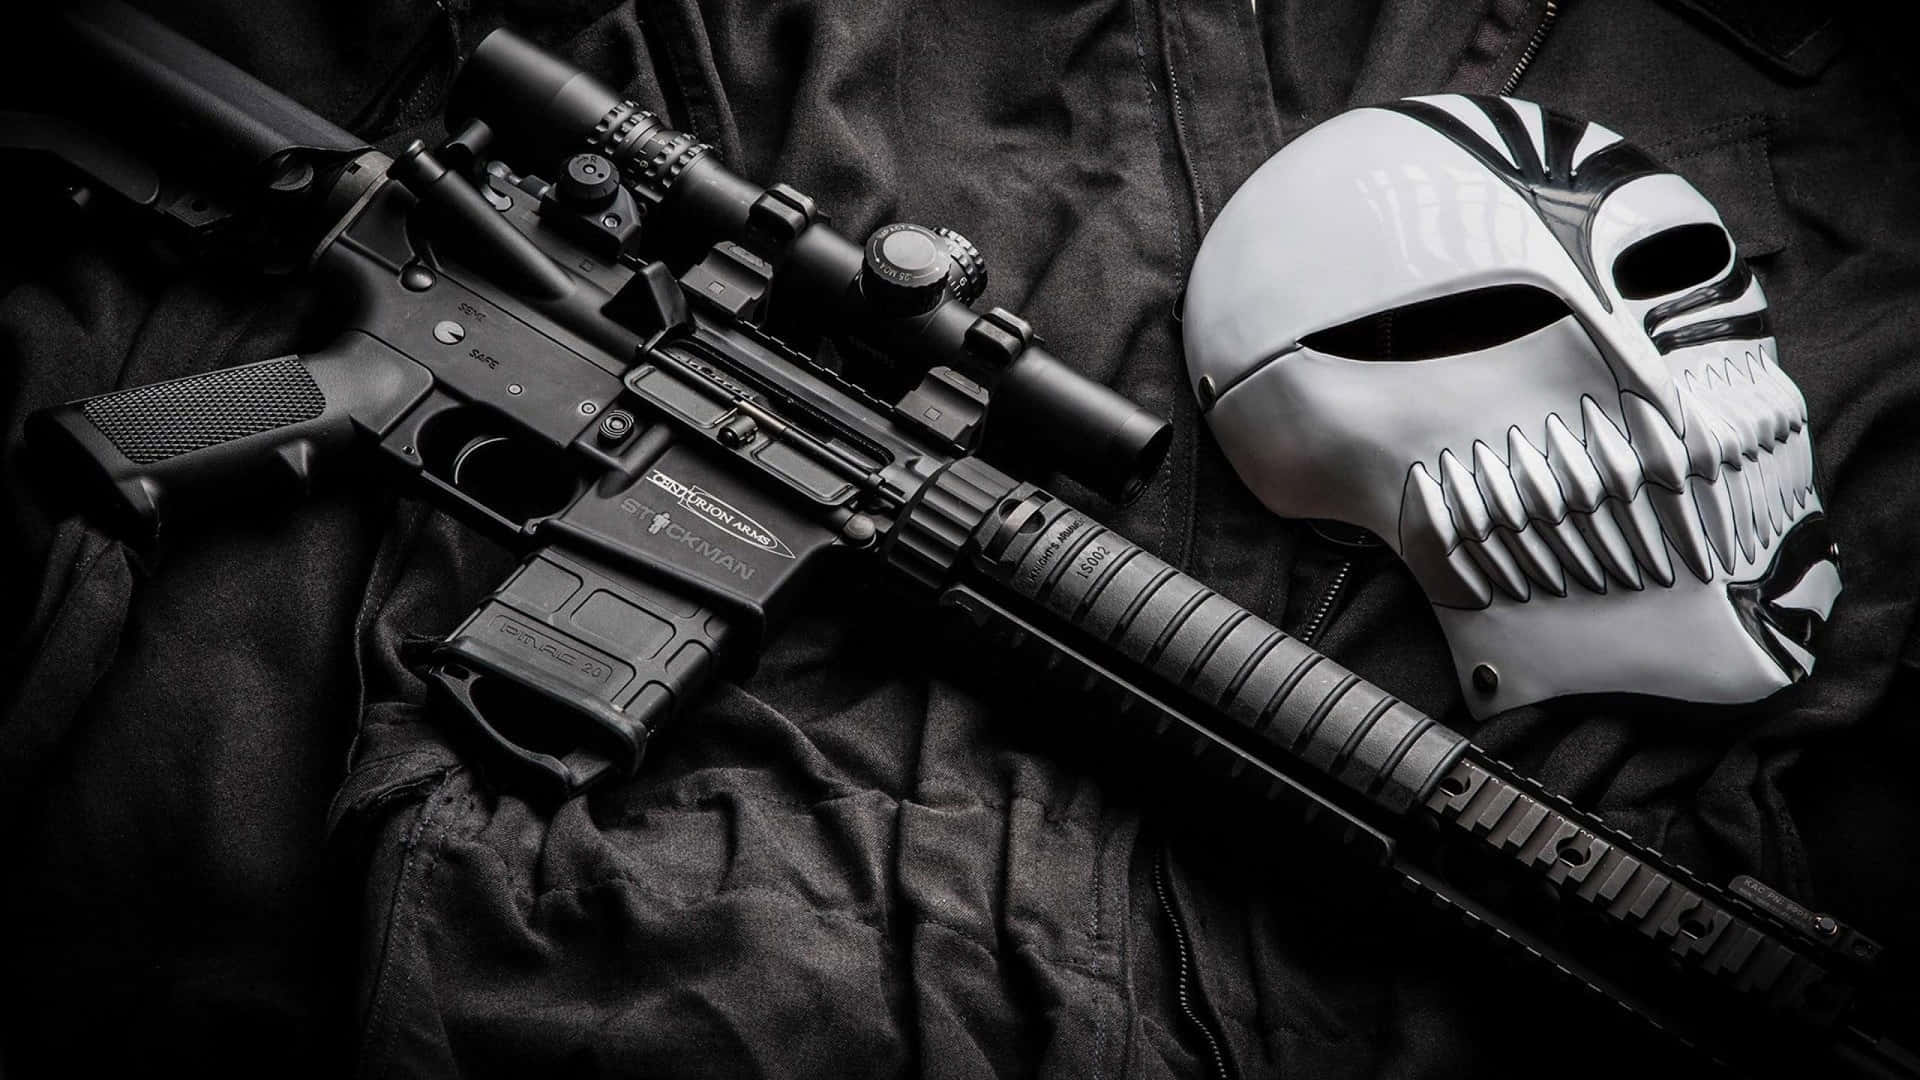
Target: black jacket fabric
236, 839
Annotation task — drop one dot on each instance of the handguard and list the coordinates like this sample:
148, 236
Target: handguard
1288, 696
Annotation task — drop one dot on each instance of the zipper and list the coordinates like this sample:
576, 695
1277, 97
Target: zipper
1197, 203
1533, 47
1182, 137
1321, 611
1183, 140
1195, 1011
1186, 986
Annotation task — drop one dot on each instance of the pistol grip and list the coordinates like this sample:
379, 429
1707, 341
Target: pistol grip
137, 456
567, 670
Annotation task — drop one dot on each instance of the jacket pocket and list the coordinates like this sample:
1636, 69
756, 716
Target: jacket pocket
1732, 164
1792, 40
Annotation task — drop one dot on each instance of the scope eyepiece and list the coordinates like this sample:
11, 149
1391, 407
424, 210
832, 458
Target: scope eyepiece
540, 104
537, 101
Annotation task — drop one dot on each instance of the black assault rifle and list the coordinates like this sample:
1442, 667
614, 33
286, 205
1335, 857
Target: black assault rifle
607, 361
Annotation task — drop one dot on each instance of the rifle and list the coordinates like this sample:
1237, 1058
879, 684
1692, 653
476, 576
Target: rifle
613, 371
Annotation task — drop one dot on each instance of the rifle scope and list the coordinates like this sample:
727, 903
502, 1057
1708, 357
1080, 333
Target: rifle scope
545, 107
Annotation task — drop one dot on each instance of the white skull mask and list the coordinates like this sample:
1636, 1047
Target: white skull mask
1527, 357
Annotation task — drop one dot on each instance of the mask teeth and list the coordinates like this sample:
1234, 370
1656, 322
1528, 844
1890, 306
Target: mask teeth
1750, 506
1791, 458
1801, 454
1496, 487
1716, 513
1780, 466
1739, 410
1793, 402
1475, 520
1785, 462
1743, 522
1494, 561
1536, 558
1641, 526
1611, 505
1620, 474
1540, 494
1565, 539
1613, 456
1771, 493
1546, 507
1580, 482
1769, 418
1463, 498
1712, 378
1781, 408
1681, 522
1704, 452
1430, 545
1792, 405
1729, 441
1759, 491
1662, 455
1735, 403
1809, 478
1573, 469
1660, 400
1604, 535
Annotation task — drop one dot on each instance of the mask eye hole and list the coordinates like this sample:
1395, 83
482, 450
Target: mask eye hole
1444, 326
1669, 261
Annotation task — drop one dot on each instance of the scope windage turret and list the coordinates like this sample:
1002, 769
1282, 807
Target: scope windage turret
536, 104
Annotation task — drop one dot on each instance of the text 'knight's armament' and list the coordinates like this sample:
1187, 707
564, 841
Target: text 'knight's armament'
607, 370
